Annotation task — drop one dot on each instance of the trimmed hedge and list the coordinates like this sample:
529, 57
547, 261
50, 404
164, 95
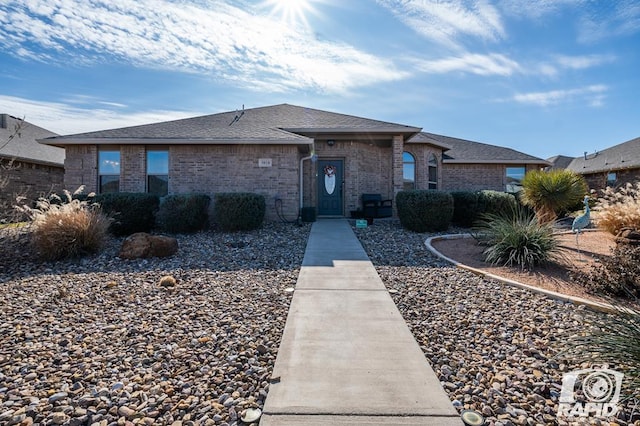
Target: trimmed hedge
422, 211
131, 211
465, 208
496, 203
183, 213
239, 211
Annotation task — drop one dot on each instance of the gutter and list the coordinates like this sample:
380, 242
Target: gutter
311, 157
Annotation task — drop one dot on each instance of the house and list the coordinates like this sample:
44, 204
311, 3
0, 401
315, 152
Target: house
615, 166
27, 168
294, 156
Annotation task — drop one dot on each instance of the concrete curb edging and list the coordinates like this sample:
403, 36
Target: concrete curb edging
596, 306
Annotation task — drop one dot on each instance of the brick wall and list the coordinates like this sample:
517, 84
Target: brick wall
81, 167
29, 180
598, 181
476, 177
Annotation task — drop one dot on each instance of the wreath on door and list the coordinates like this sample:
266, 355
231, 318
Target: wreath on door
329, 170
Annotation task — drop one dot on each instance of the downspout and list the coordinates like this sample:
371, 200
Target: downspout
311, 157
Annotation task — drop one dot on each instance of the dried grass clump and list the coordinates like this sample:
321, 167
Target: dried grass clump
63, 227
619, 209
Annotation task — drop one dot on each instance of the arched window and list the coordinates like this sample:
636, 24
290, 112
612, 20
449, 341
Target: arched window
408, 171
433, 172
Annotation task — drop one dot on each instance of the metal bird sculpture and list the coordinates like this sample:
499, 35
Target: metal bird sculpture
581, 221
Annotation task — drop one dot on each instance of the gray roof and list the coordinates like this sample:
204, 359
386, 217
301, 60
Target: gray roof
469, 152
24, 145
623, 156
559, 161
277, 124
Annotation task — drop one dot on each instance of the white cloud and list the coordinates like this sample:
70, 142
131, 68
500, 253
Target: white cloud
447, 22
565, 62
214, 38
591, 95
64, 119
492, 64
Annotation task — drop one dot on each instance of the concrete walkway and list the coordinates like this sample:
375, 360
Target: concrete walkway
347, 357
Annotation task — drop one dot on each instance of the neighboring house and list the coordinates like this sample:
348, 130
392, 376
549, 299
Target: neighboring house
615, 166
559, 162
27, 168
300, 156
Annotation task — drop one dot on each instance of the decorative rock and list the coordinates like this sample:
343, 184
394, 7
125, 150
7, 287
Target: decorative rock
628, 236
167, 281
143, 245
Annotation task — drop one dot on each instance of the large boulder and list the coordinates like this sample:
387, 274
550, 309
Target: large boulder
142, 245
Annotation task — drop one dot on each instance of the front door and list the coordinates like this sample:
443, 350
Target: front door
330, 178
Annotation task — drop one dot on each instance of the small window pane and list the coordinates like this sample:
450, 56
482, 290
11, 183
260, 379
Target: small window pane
109, 162
157, 162
109, 183
433, 172
611, 178
158, 184
514, 177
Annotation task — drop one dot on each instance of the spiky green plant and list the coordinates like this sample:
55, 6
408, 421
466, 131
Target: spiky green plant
517, 238
549, 193
610, 339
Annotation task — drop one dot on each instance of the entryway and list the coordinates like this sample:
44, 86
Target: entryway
330, 187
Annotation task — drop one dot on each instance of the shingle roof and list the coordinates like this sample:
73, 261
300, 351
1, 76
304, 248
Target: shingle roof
278, 124
623, 156
25, 146
559, 161
468, 152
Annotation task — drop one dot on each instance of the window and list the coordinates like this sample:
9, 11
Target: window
158, 172
611, 178
433, 172
514, 177
108, 171
408, 171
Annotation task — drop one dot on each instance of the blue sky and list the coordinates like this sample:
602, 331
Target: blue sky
544, 77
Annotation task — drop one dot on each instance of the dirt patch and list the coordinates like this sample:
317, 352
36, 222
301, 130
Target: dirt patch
554, 276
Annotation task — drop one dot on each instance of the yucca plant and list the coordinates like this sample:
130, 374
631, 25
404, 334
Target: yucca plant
549, 193
516, 237
63, 227
610, 339
617, 209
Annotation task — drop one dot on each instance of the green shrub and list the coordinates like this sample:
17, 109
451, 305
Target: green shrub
183, 213
495, 202
422, 211
516, 238
239, 211
131, 211
615, 275
465, 207
65, 227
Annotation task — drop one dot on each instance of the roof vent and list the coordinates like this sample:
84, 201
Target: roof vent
585, 156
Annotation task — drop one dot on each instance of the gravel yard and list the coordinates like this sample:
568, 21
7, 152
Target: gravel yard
100, 341
491, 345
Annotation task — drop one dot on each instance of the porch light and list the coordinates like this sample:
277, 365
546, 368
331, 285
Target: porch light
331, 142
